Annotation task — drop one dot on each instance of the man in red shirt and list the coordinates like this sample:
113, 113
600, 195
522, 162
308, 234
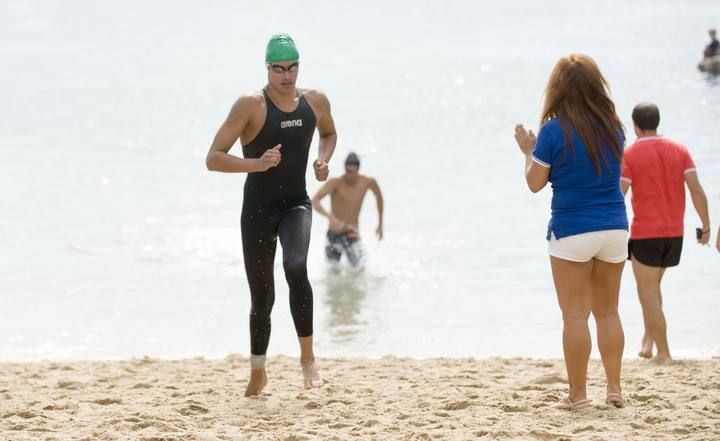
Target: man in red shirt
657, 169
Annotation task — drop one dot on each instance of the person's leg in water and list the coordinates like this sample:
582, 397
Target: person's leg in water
573, 286
648, 285
259, 245
294, 233
353, 251
333, 251
611, 339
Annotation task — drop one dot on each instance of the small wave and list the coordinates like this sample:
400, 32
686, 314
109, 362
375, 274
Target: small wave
90, 251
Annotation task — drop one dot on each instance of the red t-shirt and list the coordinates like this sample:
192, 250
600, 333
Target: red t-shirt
655, 167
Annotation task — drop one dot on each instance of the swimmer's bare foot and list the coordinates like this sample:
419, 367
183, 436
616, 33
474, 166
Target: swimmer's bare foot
311, 376
661, 360
258, 380
646, 348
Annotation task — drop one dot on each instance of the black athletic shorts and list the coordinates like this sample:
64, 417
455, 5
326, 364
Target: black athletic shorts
662, 252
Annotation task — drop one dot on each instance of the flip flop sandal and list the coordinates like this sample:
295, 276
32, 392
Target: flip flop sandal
615, 400
566, 404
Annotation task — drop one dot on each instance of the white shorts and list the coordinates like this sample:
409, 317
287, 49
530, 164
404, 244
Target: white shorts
608, 245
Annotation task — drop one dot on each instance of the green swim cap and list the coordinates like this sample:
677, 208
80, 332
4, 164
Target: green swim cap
281, 47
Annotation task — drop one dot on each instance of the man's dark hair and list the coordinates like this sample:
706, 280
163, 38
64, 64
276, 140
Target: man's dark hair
352, 159
646, 116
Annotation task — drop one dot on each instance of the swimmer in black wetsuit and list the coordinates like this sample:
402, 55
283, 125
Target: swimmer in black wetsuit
275, 127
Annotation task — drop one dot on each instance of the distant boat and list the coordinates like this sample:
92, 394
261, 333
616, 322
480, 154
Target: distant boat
710, 65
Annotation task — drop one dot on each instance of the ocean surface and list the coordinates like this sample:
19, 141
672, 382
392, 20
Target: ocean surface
116, 242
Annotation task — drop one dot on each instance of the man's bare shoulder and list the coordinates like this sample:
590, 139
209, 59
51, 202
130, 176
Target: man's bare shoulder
313, 93
247, 108
334, 182
250, 101
316, 97
368, 180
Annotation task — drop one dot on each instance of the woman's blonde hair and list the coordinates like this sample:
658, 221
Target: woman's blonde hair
578, 95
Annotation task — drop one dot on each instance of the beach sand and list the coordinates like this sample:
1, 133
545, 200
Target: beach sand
385, 399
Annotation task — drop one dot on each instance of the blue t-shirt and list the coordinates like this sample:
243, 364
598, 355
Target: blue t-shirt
582, 201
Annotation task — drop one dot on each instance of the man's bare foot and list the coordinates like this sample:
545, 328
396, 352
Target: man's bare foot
311, 376
258, 380
661, 360
646, 348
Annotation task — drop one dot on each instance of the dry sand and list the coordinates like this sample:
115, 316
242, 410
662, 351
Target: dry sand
384, 399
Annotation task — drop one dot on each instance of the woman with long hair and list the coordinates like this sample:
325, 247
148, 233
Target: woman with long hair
579, 151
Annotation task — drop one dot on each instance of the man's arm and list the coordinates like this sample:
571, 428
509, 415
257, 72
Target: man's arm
326, 130
218, 158
335, 224
624, 185
699, 200
375, 188
325, 190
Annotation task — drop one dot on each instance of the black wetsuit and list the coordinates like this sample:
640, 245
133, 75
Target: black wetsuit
275, 205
